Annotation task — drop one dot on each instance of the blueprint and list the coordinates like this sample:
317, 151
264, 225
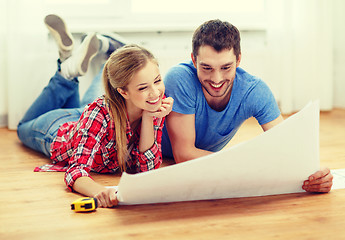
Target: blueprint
274, 162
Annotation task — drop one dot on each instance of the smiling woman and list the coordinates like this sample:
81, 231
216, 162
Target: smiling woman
105, 133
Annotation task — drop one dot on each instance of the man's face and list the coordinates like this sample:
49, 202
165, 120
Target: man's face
216, 72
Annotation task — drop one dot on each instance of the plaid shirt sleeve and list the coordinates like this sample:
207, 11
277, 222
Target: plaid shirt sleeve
151, 158
90, 131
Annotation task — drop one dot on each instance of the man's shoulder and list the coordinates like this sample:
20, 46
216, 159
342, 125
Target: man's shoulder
245, 76
183, 68
247, 82
182, 75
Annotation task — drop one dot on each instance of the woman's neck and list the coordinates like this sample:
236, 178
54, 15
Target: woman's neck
134, 113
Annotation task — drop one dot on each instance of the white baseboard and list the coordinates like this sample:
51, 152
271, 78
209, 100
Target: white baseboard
3, 120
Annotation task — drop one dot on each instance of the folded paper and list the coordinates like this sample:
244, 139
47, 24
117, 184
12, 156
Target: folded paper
275, 162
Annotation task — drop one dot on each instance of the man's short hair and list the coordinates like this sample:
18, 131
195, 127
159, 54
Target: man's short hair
217, 34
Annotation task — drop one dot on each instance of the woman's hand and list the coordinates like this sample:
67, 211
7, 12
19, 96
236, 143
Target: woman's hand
165, 108
107, 198
321, 181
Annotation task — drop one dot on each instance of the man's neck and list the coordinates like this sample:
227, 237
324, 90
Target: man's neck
218, 103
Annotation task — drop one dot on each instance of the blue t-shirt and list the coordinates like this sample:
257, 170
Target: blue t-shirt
250, 97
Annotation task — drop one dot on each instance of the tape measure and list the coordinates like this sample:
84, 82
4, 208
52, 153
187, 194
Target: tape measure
85, 204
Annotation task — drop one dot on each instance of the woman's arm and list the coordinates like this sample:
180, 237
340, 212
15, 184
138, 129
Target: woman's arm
147, 136
90, 134
106, 197
149, 152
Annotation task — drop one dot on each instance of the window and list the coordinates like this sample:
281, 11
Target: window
156, 15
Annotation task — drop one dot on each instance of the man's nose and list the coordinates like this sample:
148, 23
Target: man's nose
217, 77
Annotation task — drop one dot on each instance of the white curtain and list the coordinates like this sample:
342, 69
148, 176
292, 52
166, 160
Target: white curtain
300, 39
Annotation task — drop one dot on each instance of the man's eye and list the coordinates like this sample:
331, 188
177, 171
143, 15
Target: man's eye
226, 68
207, 68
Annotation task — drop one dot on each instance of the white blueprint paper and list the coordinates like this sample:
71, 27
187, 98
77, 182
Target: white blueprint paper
338, 178
275, 162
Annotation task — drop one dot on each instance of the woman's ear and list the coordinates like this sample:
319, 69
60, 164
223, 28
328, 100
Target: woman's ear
123, 93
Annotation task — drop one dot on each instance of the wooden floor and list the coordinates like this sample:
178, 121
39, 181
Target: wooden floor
37, 205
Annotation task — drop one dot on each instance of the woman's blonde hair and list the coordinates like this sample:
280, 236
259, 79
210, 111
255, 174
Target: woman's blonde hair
117, 73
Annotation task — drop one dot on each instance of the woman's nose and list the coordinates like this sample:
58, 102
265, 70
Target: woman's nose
154, 92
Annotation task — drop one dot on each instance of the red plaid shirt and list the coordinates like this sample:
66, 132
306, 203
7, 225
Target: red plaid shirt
89, 145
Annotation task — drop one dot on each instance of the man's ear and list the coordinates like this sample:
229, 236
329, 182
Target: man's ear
193, 59
238, 60
123, 93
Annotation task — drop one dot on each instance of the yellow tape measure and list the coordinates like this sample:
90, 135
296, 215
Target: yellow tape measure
85, 204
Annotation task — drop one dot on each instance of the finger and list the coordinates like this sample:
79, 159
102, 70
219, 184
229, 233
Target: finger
315, 186
165, 106
160, 113
104, 199
168, 100
113, 199
101, 201
327, 178
319, 174
324, 187
107, 197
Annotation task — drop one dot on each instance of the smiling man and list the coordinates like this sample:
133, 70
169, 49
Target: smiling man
213, 96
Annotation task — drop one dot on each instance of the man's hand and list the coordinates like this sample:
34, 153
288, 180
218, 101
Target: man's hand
321, 181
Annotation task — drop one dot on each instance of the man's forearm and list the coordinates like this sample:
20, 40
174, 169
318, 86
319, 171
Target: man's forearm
187, 154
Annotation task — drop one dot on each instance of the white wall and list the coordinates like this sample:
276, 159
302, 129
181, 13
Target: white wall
3, 64
284, 50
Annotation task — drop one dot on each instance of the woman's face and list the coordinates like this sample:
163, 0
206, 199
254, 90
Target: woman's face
146, 89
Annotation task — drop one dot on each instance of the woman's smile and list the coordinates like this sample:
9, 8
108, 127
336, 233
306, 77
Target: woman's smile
155, 101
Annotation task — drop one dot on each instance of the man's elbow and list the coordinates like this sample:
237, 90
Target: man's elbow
179, 158
182, 155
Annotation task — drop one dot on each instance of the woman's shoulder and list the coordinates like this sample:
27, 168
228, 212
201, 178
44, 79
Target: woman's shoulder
99, 107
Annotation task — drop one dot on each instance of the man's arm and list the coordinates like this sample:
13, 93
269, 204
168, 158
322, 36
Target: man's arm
271, 124
181, 130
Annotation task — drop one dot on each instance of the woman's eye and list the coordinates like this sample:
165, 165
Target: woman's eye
142, 88
158, 81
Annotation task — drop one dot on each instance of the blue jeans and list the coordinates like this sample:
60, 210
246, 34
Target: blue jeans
58, 103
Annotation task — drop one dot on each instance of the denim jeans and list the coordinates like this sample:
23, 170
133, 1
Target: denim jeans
58, 103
